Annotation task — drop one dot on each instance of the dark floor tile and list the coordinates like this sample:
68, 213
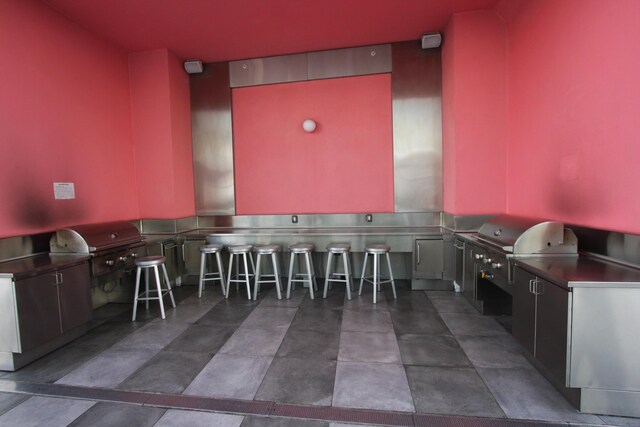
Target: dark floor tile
457, 391
472, 324
226, 314
310, 344
317, 320
119, 414
493, 351
620, 421
56, 365
281, 422
453, 305
202, 338
409, 301
418, 322
431, 350
9, 400
167, 372
109, 333
334, 299
290, 380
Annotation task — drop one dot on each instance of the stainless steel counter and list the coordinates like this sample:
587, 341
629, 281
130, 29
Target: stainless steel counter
582, 271
38, 264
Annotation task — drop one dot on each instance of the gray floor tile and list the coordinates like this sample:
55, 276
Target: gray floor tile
174, 417
270, 317
211, 295
493, 351
254, 342
364, 302
167, 372
526, 394
9, 400
185, 313
317, 320
369, 347
367, 321
334, 299
620, 421
271, 298
226, 315
367, 293
443, 294
453, 305
109, 368
457, 391
431, 350
202, 339
109, 333
418, 322
153, 336
281, 422
308, 344
410, 301
40, 411
230, 375
471, 324
372, 386
119, 414
303, 381
55, 365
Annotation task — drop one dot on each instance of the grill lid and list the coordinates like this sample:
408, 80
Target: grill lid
521, 235
90, 238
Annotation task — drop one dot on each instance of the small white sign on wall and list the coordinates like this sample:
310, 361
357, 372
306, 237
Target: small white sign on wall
64, 190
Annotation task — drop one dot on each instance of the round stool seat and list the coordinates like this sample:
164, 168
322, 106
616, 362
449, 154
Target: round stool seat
266, 249
150, 261
377, 249
338, 248
211, 249
239, 249
301, 248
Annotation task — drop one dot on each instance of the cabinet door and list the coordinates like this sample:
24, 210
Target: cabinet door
551, 328
469, 273
524, 310
429, 258
74, 293
37, 306
170, 252
191, 253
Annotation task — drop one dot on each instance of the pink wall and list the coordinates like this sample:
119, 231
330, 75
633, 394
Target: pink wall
64, 117
474, 71
345, 166
573, 112
161, 135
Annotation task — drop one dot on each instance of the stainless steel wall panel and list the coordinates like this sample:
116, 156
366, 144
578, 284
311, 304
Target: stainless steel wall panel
21, 246
212, 141
349, 62
417, 127
261, 71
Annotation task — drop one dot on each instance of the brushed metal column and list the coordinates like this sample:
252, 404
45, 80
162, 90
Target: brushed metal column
417, 127
212, 140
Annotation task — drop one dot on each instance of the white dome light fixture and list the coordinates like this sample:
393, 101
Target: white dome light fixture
309, 125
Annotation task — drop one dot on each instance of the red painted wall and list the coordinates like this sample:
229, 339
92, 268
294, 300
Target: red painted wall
64, 117
573, 115
161, 135
474, 90
345, 166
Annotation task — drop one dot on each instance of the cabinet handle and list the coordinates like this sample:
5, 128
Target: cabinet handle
418, 245
55, 275
539, 290
531, 286
59, 280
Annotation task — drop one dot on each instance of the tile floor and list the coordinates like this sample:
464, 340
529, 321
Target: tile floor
425, 353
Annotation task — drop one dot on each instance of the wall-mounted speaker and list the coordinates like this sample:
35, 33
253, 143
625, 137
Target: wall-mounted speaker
193, 66
431, 40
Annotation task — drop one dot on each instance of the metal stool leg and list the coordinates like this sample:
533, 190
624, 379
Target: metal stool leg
291, 261
203, 260
256, 279
307, 257
221, 273
276, 273
246, 274
393, 285
158, 284
313, 272
168, 282
327, 274
364, 270
347, 275
146, 287
376, 277
135, 299
229, 276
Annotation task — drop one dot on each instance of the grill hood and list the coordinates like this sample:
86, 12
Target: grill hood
89, 238
520, 235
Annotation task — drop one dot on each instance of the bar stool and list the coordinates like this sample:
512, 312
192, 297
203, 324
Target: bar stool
376, 278
259, 279
305, 250
245, 277
146, 264
205, 276
338, 249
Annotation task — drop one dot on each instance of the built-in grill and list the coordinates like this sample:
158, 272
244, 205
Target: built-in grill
112, 245
505, 238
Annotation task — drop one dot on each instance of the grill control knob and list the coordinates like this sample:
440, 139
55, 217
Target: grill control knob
110, 262
479, 256
496, 265
487, 261
134, 255
122, 258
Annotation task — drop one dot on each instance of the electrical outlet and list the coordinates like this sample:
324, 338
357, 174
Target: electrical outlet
294, 219
368, 218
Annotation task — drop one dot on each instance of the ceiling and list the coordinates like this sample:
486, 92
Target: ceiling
220, 30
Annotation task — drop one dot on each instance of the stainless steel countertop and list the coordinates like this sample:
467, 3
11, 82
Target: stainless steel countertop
410, 231
38, 264
582, 271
